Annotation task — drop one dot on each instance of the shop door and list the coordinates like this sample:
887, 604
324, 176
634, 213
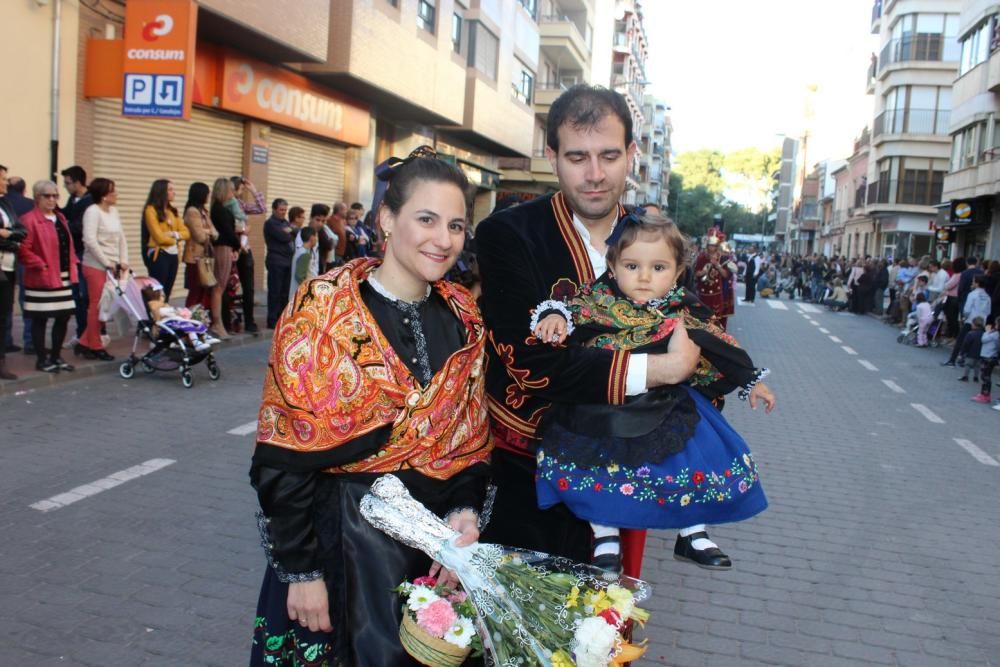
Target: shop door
134, 152
304, 171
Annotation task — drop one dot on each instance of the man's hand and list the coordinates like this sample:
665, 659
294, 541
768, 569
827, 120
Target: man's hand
552, 329
677, 365
466, 523
761, 392
309, 604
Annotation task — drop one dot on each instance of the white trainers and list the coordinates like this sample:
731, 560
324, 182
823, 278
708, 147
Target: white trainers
996, 406
202, 346
212, 340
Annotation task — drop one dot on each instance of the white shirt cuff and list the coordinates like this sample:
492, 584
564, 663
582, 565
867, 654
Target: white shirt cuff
635, 377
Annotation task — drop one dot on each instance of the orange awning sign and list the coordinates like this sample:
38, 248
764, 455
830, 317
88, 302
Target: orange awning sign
159, 58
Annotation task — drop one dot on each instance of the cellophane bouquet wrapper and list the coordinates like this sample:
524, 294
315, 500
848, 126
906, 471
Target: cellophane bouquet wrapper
534, 609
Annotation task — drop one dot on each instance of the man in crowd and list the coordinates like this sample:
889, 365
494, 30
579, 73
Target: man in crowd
75, 182
11, 234
525, 253
21, 205
280, 244
972, 270
338, 225
754, 261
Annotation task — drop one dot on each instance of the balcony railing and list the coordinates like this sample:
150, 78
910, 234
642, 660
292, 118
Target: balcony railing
859, 197
923, 190
921, 46
911, 121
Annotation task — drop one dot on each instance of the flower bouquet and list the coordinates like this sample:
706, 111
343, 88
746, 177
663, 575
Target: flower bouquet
437, 627
532, 609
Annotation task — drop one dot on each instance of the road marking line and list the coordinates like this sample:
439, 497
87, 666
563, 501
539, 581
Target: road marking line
808, 307
848, 350
822, 330
95, 487
927, 413
895, 387
835, 339
244, 429
867, 364
976, 453
777, 305
814, 323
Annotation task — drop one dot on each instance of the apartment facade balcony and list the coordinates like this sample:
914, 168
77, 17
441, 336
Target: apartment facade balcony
916, 195
980, 180
545, 95
923, 48
563, 43
899, 122
876, 17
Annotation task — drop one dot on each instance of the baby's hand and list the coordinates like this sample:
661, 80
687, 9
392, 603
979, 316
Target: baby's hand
552, 329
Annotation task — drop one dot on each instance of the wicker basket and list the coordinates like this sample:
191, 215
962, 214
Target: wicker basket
428, 650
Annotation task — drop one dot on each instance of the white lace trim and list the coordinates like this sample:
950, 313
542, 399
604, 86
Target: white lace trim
744, 393
381, 289
551, 304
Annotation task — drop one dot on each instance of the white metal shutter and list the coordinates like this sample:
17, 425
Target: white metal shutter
304, 171
134, 152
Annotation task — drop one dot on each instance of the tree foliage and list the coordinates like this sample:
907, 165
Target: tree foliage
735, 185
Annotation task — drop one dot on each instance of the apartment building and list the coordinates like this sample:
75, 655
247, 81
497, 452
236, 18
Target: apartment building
630, 49
303, 98
968, 218
910, 148
653, 137
566, 31
850, 229
787, 179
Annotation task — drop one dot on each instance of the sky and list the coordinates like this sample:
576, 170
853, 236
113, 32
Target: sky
736, 73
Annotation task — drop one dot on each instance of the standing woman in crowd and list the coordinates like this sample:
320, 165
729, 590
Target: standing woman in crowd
202, 234
410, 344
12, 232
104, 249
225, 247
164, 231
49, 273
240, 205
951, 293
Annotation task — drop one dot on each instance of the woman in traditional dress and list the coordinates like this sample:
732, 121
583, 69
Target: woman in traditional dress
376, 367
48, 275
713, 278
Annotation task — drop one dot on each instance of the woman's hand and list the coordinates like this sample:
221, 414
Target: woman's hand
467, 524
761, 392
309, 604
552, 329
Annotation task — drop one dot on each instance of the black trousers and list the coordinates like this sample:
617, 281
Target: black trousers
6, 305
959, 341
279, 281
751, 292
244, 268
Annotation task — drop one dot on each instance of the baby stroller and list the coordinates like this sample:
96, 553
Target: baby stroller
172, 349
908, 335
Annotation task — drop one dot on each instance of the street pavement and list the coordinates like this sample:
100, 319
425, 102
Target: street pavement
878, 547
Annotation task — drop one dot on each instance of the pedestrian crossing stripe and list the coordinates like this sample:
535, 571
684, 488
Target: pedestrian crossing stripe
776, 305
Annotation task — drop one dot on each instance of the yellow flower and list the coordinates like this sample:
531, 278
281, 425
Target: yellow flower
572, 599
596, 600
685, 499
561, 659
612, 467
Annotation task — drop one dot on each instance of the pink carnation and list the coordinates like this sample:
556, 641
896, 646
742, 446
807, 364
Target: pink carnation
437, 618
430, 582
458, 597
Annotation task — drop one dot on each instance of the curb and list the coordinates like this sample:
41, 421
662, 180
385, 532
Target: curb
35, 381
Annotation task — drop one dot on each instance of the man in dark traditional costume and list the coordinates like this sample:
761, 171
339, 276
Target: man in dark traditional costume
713, 276
537, 251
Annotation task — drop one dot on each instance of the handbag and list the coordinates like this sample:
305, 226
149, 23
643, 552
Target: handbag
206, 271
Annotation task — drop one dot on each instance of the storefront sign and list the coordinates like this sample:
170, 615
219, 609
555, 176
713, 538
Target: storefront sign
259, 90
159, 58
258, 153
971, 212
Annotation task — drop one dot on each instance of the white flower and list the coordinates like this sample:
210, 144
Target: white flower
593, 642
461, 633
420, 597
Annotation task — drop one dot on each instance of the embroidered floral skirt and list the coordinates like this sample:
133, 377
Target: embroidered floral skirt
712, 480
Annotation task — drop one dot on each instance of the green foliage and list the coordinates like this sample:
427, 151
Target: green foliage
735, 185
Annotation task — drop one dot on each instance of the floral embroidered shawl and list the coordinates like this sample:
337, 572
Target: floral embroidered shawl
332, 376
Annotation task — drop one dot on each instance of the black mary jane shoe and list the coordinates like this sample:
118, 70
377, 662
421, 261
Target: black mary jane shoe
62, 364
710, 559
610, 563
102, 355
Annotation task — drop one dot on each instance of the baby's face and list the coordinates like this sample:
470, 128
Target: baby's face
646, 270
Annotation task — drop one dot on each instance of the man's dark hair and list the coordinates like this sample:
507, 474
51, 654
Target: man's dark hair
3, 167
17, 184
358, 206
339, 208
583, 107
306, 233
971, 261
319, 209
295, 212
278, 202
75, 173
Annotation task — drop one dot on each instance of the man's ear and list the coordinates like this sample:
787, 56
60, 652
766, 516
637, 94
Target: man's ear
551, 155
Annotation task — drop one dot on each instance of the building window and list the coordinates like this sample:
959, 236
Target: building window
524, 82
914, 110
530, 6
426, 15
456, 32
484, 50
927, 37
976, 47
910, 181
